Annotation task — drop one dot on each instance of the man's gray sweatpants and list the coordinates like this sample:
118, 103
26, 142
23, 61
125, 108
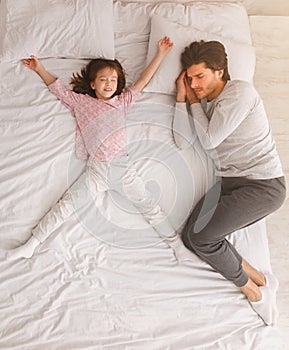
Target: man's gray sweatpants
231, 204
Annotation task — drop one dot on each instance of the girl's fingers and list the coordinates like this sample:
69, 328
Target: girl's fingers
26, 62
166, 41
30, 62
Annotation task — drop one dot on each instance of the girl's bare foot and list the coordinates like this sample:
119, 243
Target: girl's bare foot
25, 251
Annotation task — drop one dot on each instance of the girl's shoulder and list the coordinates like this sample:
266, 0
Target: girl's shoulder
127, 96
133, 91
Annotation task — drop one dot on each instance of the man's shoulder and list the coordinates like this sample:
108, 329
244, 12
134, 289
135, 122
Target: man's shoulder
241, 88
240, 85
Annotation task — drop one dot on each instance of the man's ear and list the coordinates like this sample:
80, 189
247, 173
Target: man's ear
220, 73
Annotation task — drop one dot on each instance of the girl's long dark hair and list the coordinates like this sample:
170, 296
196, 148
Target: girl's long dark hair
81, 81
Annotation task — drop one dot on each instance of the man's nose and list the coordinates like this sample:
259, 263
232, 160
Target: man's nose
194, 83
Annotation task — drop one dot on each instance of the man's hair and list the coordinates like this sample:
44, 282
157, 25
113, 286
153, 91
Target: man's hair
212, 53
81, 81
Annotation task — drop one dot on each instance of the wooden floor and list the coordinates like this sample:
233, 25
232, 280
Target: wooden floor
270, 35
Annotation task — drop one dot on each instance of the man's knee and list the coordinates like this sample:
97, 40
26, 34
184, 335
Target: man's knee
275, 202
275, 195
199, 242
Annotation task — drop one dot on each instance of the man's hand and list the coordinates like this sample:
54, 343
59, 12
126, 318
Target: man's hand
191, 96
184, 90
181, 87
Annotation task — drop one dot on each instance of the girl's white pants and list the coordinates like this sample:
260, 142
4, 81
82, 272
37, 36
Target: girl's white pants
118, 175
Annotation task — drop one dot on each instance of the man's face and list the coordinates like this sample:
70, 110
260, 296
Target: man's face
204, 81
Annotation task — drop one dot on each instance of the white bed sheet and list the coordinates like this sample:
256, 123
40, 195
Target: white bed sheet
120, 287
105, 280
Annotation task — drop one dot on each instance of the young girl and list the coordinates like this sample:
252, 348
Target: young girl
99, 105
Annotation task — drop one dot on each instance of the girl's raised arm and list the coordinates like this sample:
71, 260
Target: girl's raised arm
34, 64
164, 46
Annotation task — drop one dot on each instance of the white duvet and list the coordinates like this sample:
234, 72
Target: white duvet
104, 280
120, 287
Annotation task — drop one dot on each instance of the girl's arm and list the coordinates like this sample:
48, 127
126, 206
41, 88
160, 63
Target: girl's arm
34, 64
164, 46
68, 97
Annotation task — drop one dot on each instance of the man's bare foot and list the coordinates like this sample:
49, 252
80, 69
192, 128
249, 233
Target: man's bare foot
251, 291
263, 298
256, 276
266, 308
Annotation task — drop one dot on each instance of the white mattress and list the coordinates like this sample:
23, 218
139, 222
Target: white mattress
107, 281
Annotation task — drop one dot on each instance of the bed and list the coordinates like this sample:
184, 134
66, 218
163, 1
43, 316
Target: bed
104, 279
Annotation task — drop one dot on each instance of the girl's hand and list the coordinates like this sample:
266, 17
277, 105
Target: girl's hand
164, 45
32, 63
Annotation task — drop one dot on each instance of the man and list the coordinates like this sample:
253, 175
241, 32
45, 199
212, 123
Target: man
233, 129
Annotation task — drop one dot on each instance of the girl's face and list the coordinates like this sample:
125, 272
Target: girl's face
105, 83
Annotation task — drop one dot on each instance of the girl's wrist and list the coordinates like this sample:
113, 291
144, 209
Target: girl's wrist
40, 69
161, 54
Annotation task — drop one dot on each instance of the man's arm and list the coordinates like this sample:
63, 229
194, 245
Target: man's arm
181, 87
229, 112
183, 127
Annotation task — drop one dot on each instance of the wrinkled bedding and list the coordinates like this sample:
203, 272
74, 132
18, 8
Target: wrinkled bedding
105, 280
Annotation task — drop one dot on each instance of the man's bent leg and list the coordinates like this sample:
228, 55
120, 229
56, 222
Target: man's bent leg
241, 203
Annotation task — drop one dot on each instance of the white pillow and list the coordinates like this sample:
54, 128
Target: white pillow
58, 28
132, 26
241, 57
223, 18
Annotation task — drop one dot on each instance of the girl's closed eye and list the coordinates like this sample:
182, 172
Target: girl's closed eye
105, 83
